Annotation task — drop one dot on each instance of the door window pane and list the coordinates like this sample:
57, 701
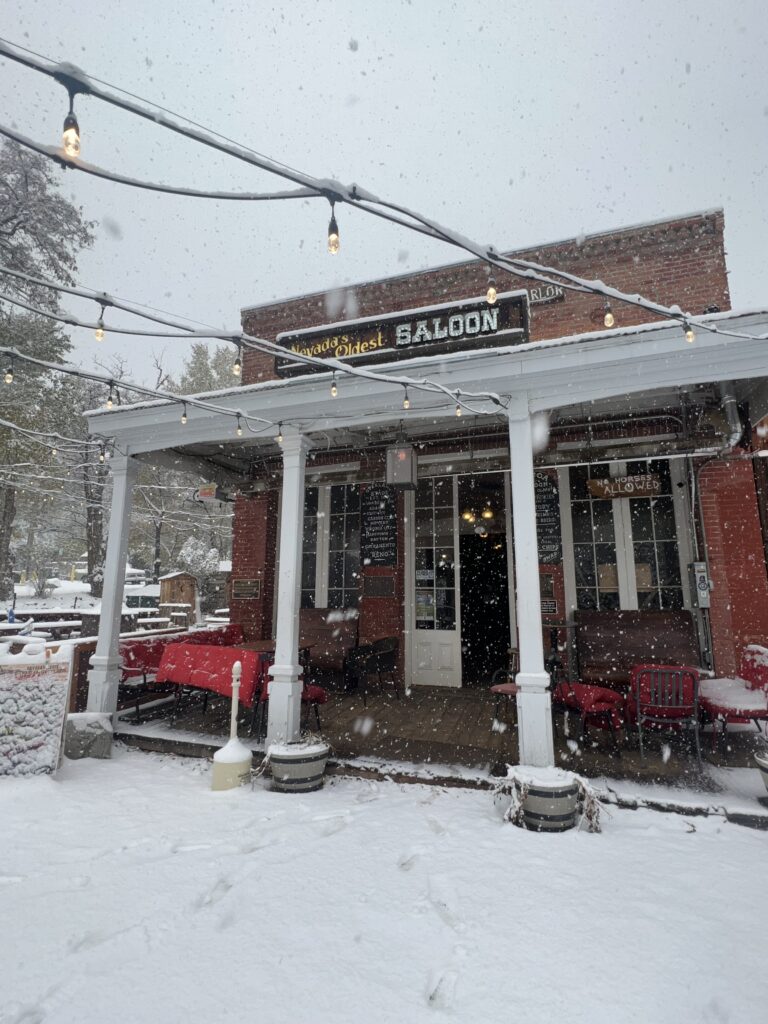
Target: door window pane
435, 571
594, 536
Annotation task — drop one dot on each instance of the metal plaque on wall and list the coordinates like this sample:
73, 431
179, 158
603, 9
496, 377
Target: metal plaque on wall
246, 590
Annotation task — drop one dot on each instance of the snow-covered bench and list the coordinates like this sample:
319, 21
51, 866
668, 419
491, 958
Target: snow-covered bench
740, 700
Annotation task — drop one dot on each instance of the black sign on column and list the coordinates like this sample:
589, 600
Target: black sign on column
378, 539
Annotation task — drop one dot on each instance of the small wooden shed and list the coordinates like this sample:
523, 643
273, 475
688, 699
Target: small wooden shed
178, 598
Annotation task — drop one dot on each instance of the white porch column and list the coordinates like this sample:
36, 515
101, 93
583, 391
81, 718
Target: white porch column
534, 711
284, 723
104, 675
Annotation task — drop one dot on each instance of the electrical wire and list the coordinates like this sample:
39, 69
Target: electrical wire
76, 80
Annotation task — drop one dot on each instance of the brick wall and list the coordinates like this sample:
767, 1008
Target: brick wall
680, 261
739, 600
253, 557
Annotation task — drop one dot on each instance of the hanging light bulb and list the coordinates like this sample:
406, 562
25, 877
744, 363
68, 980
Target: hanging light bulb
458, 406
333, 233
99, 332
54, 452
334, 389
279, 438
110, 401
70, 140
239, 430
8, 378
184, 415
690, 337
102, 454
406, 400
237, 367
609, 319
491, 295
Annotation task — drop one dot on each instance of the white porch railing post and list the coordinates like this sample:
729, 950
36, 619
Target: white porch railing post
534, 707
284, 722
104, 675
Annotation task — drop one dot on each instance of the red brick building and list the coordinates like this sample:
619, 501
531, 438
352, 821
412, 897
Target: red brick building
631, 490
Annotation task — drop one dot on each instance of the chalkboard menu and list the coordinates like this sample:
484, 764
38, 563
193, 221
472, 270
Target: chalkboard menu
548, 520
378, 541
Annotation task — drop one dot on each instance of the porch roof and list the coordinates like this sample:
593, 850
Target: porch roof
616, 365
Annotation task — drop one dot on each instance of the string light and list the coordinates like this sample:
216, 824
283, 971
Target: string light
70, 140
609, 319
99, 332
237, 368
239, 430
334, 389
110, 398
102, 454
279, 437
689, 333
8, 378
458, 406
333, 232
311, 186
54, 452
184, 414
406, 400
491, 295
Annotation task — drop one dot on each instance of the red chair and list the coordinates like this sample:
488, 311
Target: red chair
596, 705
503, 685
312, 697
664, 696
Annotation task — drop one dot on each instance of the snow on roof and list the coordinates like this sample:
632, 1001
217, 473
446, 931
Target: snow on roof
408, 367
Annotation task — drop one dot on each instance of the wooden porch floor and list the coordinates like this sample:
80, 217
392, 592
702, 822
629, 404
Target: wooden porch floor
440, 726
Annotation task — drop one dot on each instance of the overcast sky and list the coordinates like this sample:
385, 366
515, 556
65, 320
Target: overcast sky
513, 123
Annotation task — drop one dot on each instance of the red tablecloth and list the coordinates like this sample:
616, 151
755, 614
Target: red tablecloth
210, 668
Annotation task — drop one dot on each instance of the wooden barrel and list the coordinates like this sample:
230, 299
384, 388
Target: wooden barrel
298, 767
549, 809
762, 763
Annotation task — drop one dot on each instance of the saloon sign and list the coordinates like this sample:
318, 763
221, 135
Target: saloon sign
434, 330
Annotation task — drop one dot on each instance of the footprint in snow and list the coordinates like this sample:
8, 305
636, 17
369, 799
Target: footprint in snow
437, 827
408, 859
212, 896
442, 901
28, 1014
441, 986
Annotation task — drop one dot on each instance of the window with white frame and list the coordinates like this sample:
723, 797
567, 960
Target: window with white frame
330, 576
626, 550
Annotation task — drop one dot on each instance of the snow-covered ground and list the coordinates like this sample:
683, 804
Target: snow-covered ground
130, 892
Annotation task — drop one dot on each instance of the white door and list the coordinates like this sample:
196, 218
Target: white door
436, 642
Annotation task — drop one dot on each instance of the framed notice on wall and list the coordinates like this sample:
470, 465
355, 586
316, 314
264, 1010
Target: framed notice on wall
378, 536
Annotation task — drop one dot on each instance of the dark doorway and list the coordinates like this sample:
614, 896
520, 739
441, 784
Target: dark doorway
484, 590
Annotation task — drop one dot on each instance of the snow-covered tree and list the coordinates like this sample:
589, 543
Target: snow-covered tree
41, 233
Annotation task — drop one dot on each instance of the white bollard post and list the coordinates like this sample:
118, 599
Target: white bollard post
232, 763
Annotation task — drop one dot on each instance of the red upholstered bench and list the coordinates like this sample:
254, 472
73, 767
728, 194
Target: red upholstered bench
741, 700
